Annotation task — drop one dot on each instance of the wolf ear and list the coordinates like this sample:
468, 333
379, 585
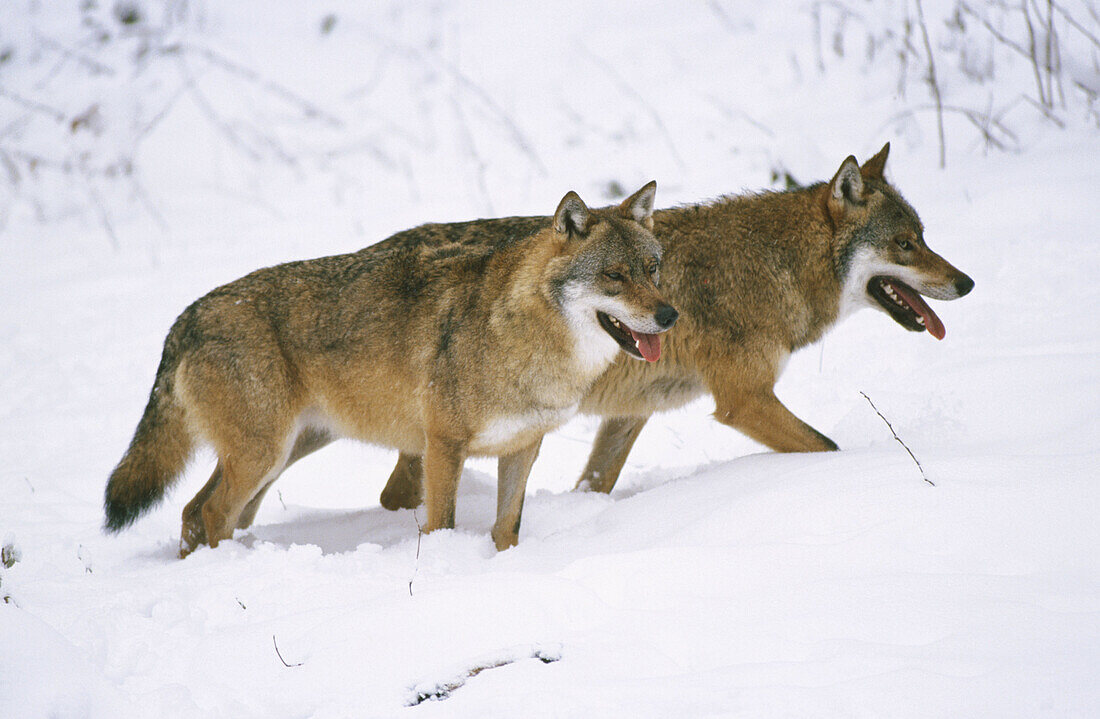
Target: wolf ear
846, 189
639, 206
572, 215
874, 168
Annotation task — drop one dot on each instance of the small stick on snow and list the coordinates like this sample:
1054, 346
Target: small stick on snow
280, 655
416, 566
903, 444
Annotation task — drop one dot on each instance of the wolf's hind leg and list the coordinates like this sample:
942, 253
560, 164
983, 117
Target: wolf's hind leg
243, 476
403, 489
764, 418
193, 532
613, 442
512, 473
309, 441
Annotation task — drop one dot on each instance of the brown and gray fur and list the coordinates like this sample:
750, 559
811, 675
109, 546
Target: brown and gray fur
755, 278
448, 349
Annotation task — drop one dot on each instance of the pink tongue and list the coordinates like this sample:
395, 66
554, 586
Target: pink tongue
913, 299
648, 345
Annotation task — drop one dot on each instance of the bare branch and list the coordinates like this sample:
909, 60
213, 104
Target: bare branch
93, 66
922, 474
1076, 25
1046, 112
518, 137
33, 105
416, 565
101, 209
280, 654
1032, 54
933, 83
215, 58
627, 89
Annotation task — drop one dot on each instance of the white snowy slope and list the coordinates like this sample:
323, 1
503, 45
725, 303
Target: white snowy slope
717, 579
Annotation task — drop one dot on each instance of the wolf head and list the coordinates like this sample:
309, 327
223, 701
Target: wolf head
605, 281
880, 253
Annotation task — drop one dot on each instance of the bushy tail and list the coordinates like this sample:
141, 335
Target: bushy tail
158, 454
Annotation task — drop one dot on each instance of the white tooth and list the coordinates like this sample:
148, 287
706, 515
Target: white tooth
920, 321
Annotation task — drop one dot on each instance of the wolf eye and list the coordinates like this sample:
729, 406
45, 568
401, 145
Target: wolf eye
615, 276
904, 243
652, 269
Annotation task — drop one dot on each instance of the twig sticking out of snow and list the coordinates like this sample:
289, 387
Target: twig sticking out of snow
280, 655
903, 444
436, 691
416, 565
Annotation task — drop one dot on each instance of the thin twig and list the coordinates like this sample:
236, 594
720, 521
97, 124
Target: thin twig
416, 565
1076, 25
280, 655
903, 444
33, 105
1046, 112
1033, 54
973, 116
94, 66
147, 202
216, 58
470, 146
207, 109
518, 138
933, 82
104, 214
627, 89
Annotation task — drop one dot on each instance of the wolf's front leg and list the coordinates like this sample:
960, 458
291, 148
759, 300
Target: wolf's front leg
403, 490
512, 473
609, 452
443, 460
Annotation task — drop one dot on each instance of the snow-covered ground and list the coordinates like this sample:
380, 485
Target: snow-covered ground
717, 579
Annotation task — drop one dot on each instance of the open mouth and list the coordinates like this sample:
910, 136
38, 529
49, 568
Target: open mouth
636, 344
905, 305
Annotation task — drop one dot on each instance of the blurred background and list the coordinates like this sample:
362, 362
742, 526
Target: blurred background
145, 118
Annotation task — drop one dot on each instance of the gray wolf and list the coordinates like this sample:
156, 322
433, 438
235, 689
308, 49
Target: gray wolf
756, 277
444, 349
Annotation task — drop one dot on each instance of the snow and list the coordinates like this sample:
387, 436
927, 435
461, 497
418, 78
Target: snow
717, 579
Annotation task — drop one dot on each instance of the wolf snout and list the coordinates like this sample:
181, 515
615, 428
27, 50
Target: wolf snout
963, 284
666, 316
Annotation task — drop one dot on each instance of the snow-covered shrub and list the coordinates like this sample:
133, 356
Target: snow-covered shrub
983, 61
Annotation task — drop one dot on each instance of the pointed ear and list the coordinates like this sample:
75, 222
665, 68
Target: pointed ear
874, 168
571, 217
847, 184
639, 206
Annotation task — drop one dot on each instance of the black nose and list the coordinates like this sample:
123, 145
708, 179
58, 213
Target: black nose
963, 285
666, 316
